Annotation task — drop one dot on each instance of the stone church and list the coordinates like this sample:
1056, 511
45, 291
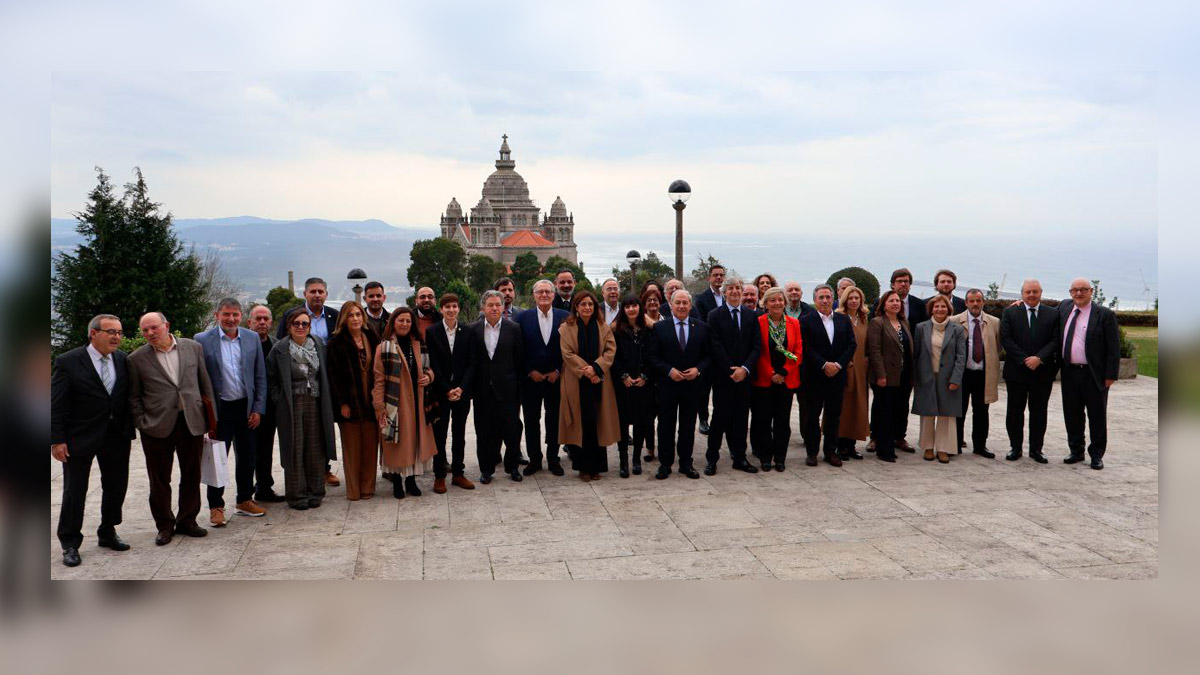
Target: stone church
504, 224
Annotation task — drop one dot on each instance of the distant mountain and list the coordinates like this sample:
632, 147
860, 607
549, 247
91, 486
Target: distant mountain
258, 252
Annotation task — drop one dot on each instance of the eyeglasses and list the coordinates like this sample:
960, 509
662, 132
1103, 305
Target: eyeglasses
300, 324
111, 332
1081, 290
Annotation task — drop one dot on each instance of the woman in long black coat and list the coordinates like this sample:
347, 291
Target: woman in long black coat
635, 389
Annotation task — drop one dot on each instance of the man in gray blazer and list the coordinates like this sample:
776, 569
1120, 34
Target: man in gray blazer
170, 398
238, 372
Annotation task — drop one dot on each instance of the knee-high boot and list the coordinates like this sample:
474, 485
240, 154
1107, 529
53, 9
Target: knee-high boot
623, 451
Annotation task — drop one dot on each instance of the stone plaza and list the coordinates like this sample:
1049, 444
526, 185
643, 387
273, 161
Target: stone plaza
974, 518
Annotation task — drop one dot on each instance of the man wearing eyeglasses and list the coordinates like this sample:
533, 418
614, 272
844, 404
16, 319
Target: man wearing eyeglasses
1091, 357
90, 419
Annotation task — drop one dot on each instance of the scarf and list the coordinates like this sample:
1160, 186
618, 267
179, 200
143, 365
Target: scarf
394, 367
937, 338
778, 335
307, 358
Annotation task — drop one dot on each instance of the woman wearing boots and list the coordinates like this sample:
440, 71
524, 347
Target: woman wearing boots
351, 376
399, 399
635, 391
587, 412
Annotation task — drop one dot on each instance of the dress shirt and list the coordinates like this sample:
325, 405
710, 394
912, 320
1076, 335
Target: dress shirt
687, 330
1078, 346
972, 364
96, 357
545, 323
794, 313
169, 360
232, 388
827, 321
377, 317
1028, 309
509, 313
450, 333
907, 306
611, 313
718, 297
491, 336
319, 326
738, 314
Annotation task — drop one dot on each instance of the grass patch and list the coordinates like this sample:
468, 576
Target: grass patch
1145, 340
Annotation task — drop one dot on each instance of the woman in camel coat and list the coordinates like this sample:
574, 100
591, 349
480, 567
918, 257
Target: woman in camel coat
398, 395
855, 425
588, 419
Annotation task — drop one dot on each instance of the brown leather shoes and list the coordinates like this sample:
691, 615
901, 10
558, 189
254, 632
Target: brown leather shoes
439, 486
929, 455
331, 479
462, 482
943, 458
216, 517
835, 460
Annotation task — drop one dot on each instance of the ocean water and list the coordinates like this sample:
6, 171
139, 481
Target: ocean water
978, 260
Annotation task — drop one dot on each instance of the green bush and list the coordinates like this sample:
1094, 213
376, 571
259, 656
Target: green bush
1127, 348
862, 278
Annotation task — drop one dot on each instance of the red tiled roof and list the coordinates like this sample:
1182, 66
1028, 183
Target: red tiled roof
467, 231
526, 239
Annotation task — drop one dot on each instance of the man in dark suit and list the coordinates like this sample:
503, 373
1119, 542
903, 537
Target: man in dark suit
170, 398
1091, 358
508, 289
829, 345
452, 357
324, 319
564, 281
670, 287
377, 316
90, 419
1029, 335
543, 366
711, 297
261, 322
679, 355
735, 343
945, 281
499, 365
238, 372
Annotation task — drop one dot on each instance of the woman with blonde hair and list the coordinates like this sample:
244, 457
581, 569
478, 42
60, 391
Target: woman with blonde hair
854, 424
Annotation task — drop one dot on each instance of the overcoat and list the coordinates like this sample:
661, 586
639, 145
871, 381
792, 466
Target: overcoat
931, 394
279, 376
570, 422
991, 352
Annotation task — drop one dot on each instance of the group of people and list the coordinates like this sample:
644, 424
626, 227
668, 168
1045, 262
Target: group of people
585, 371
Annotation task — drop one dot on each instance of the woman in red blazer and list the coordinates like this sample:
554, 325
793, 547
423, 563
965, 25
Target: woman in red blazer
776, 379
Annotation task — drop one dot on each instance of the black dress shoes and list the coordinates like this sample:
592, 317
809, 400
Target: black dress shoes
191, 530
766, 465
71, 557
662, 474
485, 478
1038, 457
114, 542
164, 537
810, 461
690, 473
314, 503
1013, 455
710, 469
303, 506
398, 489
557, 470
984, 452
269, 496
516, 476
533, 468
853, 454
1097, 463
745, 466
703, 427
891, 459
1073, 459
780, 467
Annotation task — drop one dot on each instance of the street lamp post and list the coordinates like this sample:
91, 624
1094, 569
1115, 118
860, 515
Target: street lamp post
356, 275
679, 192
632, 258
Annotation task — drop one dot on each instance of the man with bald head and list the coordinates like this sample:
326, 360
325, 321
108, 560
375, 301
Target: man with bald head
680, 357
427, 313
1091, 357
1030, 337
750, 299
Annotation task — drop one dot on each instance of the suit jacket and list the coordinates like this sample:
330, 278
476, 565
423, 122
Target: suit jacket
279, 378
794, 344
665, 354
500, 374
818, 350
885, 355
991, 351
705, 303
805, 309
513, 312
544, 357
732, 346
254, 366
1102, 344
82, 412
155, 401
1019, 343
451, 369
559, 303
377, 325
959, 304
330, 314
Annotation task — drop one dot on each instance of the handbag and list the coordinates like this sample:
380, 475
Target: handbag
214, 463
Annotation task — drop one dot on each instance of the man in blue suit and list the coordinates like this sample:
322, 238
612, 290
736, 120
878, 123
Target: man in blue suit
235, 364
543, 366
679, 356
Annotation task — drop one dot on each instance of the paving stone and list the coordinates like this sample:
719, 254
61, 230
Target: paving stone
458, 563
920, 553
552, 571
720, 564
1124, 571
311, 551
391, 555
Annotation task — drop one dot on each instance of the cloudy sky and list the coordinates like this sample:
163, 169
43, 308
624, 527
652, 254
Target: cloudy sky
791, 153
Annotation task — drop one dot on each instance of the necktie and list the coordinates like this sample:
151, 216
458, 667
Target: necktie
682, 338
1070, 337
977, 338
1032, 321
737, 321
106, 374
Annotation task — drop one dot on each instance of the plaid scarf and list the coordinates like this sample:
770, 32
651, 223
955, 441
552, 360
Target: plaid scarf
394, 367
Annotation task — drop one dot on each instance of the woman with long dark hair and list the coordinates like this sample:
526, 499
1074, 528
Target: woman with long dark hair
890, 362
635, 389
399, 400
588, 421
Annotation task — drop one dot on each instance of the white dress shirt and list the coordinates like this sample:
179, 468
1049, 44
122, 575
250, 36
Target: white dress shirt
450, 333
827, 320
545, 323
611, 313
718, 297
491, 336
972, 364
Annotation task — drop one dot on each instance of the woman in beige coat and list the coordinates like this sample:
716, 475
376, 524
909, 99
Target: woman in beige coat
588, 419
854, 425
399, 399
